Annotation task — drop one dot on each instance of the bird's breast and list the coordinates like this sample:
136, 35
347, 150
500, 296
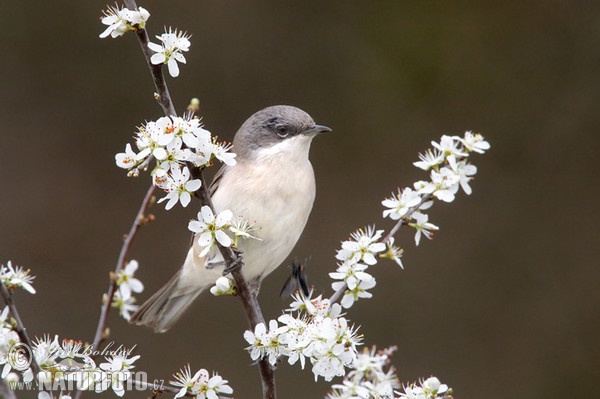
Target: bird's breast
277, 198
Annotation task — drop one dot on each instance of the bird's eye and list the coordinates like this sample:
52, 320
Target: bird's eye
281, 130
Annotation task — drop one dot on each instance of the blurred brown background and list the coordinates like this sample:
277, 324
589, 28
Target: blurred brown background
503, 303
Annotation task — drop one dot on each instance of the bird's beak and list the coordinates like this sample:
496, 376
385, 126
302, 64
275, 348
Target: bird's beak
317, 129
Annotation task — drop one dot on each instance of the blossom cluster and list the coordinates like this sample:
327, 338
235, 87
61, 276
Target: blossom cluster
371, 376
201, 385
311, 329
62, 364
173, 43
126, 283
450, 170
174, 142
356, 255
431, 388
122, 20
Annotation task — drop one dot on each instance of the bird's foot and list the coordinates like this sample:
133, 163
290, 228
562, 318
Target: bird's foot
236, 264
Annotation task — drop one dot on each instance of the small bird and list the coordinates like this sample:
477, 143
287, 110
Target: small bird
272, 185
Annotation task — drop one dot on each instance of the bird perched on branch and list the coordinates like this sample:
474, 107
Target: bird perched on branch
272, 184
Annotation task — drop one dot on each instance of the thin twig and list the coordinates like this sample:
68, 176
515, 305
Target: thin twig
20, 328
162, 91
137, 223
402, 222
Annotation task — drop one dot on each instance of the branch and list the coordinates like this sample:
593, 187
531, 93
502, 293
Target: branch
249, 300
20, 327
140, 219
402, 222
162, 95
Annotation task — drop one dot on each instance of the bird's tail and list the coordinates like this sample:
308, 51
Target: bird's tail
166, 306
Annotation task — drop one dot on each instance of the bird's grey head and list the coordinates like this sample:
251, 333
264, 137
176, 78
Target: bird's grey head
280, 128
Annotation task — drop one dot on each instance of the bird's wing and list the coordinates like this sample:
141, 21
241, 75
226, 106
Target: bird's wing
215, 183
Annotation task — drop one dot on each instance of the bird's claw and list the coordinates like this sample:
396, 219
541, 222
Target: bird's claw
236, 264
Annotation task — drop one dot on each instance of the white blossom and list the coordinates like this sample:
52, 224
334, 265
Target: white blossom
178, 186
446, 184
464, 171
430, 159
121, 20
393, 252
241, 228
222, 153
431, 388
46, 351
118, 368
200, 384
16, 276
126, 282
126, 305
400, 203
351, 273
422, 225
325, 340
170, 51
211, 229
223, 286
363, 246
264, 342
367, 377
127, 159
360, 291
8, 339
475, 142
318, 306
177, 144
450, 145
